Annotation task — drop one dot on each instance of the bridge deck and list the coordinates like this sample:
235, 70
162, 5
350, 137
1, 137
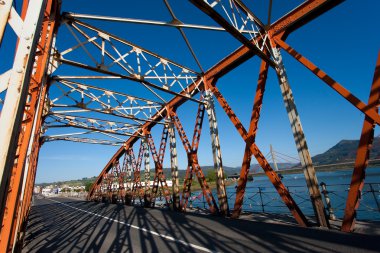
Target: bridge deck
66, 225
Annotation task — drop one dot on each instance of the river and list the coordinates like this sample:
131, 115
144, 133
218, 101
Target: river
261, 196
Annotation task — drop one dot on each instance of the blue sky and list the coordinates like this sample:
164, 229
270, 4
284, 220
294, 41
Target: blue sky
344, 42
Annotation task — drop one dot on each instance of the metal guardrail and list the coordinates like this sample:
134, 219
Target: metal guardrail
266, 200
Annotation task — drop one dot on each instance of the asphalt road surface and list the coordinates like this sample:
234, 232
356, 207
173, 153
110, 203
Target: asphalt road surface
66, 225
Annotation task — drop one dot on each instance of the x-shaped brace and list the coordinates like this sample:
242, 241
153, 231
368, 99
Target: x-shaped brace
192, 159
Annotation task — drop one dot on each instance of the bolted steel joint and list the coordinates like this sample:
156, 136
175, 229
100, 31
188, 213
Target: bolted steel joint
192, 158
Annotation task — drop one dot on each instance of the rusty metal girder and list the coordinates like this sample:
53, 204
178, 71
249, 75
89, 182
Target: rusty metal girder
236, 58
306, 12
193, 166
23, 172
257, 104
366, 109
159, 176
362, 156
292, 21
254, 150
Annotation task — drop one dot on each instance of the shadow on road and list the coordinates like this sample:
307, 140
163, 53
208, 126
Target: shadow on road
54, 227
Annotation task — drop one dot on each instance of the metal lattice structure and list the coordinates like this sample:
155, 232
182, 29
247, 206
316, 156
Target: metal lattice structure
35, 100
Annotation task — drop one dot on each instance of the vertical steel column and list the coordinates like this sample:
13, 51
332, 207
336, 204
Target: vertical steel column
128, 174
121, 192
216, 153
174, 167
362, 156
12, 112
113, 189
146, 171
300, 140
134, 169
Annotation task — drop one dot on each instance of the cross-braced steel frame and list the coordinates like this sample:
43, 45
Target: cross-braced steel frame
37, 101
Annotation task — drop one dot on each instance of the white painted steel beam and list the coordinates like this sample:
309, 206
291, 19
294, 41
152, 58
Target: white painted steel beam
12, 112
146, 166
4, 80
174, 167
300, 140
216, 153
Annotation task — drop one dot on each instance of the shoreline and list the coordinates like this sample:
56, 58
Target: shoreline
329, 169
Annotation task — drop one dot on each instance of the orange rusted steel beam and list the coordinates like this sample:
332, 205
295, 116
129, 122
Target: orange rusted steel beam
362, 156
258, 101
30, 177
257, 104
159, 177
301, 15
292, 21
192, 159
368, 110
13, 208
280, 187
16, 95
271, 174
242, 183
304, 13
33, 161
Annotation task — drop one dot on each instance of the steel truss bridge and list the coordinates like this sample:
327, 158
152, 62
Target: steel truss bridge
34, 100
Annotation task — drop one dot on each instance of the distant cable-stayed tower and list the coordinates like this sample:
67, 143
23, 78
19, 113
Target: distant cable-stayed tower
273, 158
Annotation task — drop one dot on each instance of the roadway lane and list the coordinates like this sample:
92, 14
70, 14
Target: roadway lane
66, 225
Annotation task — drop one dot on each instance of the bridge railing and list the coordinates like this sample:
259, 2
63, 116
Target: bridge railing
266, 200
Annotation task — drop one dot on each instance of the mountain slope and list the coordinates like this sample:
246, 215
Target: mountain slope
345, 151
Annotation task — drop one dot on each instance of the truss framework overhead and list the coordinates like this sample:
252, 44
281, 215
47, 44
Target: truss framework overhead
39, 103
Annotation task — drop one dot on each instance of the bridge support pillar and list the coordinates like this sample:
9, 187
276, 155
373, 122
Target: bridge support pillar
217, 155
174, 168
300, 140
